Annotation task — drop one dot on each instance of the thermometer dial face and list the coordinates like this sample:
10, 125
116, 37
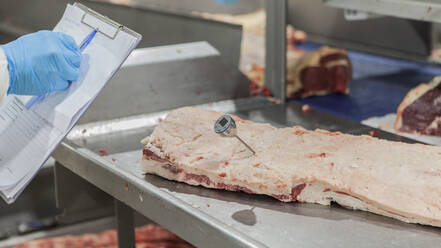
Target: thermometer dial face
224, 125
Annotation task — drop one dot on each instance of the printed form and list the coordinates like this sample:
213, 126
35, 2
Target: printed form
29, 136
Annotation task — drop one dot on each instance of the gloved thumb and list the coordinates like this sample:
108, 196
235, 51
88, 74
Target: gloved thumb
68, 42
59, 84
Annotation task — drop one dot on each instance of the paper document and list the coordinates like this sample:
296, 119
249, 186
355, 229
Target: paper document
29, 136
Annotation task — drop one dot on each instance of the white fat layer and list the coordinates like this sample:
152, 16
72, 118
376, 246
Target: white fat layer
231, 178
342, 62
312, 193
155, 167
322, 194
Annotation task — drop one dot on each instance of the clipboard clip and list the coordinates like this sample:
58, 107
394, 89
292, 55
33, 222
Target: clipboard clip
102, 18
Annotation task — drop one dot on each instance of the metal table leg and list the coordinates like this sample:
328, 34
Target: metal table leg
125, 225
275, 47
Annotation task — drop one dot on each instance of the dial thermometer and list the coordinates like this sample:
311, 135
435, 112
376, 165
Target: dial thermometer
226, 126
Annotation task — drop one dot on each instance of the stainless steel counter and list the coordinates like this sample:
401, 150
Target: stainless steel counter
147, 82
215, 218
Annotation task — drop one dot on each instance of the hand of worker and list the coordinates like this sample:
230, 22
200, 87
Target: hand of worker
42, 62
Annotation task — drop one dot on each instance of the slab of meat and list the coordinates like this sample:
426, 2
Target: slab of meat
420, 110
395, 179
321, 72
325, 71
150, 236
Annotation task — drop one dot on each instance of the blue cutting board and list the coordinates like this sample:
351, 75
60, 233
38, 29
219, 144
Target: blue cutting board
379, 84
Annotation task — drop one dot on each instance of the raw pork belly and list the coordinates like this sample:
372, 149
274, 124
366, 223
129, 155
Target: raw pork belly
420, 110
395, 179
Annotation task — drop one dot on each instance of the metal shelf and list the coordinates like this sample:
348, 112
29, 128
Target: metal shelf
422, 10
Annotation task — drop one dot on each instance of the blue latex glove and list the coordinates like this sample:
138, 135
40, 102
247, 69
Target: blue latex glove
42, 62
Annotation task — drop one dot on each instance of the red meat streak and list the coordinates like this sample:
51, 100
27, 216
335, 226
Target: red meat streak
374, 133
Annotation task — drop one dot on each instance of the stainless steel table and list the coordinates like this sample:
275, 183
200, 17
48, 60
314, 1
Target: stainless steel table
215, 218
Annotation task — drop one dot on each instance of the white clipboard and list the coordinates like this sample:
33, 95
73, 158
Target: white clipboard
29, 136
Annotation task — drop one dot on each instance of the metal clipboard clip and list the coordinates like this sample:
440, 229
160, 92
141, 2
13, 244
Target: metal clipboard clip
100, 17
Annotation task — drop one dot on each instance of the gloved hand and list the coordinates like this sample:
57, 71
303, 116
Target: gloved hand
42, 62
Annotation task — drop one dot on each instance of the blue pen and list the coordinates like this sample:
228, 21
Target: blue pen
87, 40
83, 46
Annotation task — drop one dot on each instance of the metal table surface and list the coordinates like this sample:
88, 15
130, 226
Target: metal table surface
214, 218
